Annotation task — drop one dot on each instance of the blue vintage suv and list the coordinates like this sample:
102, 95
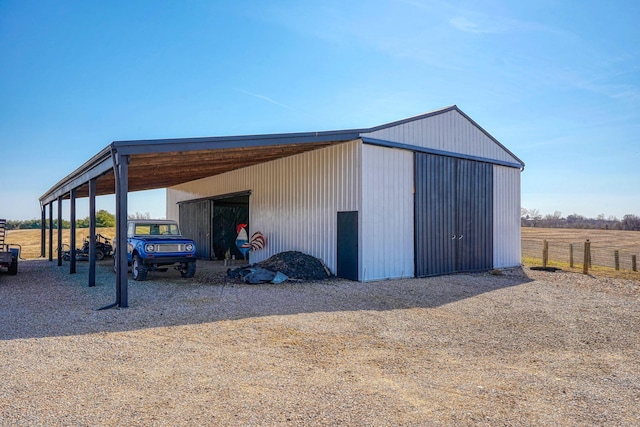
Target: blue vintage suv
155, 244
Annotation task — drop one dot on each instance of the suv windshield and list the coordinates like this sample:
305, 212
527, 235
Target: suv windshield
154, 229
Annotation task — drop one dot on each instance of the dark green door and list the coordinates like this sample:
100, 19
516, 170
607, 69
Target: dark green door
348, 245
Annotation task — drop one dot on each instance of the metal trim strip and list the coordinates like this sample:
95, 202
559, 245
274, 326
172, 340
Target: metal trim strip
414, 148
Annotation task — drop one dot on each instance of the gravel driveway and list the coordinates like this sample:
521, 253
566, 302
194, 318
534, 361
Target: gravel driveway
523, 348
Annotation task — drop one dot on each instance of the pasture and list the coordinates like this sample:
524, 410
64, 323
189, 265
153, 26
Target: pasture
29, 240
604, 245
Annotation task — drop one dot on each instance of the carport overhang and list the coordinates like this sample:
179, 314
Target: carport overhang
137, 165
164, 163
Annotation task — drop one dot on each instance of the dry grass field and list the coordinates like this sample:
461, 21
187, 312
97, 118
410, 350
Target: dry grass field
621, 239
30, 239
604, 244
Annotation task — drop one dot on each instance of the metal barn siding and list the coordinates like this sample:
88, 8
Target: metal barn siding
387, 214
450, 132
506, 217
195, 223
454, 215
294, 200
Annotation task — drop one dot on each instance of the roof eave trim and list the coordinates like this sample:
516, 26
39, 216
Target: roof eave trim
245, 141
415, 148
491, 137
412, 119
97, 166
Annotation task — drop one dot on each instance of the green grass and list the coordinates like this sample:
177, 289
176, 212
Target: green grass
593, 270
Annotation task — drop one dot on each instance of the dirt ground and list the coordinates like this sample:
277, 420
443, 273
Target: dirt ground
522, 348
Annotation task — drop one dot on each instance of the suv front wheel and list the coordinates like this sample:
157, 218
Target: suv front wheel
188, 270
138, 269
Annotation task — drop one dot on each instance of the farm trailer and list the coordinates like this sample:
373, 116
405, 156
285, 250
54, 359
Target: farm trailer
9, 253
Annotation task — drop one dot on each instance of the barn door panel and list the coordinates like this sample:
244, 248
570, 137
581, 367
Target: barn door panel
434, 215
474, 216
195, 223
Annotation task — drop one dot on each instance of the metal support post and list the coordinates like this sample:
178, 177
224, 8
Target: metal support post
50, 231
59, 231
92, 232
72, 231
43, 233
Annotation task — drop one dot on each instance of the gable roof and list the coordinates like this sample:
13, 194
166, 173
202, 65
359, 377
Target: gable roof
164, 163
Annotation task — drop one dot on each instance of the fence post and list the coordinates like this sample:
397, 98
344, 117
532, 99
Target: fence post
571, 255
634, 265
587, 257
616, 258
545, 253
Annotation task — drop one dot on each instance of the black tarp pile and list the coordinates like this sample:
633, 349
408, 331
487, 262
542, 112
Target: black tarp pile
281, 267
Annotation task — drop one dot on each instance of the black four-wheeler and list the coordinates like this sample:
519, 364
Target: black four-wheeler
104, 248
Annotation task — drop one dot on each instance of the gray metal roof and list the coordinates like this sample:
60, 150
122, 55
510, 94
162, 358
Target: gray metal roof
162, 163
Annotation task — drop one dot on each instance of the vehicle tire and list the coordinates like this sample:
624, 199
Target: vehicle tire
99, 255
13, 268
188, 270
138, 269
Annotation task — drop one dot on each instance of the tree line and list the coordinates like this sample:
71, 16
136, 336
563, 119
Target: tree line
533, 218
104, 219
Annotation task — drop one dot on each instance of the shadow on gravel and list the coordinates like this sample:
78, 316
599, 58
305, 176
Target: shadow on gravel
44, 300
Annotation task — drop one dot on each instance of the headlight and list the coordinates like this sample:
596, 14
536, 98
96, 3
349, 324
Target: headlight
188, 247
149, 248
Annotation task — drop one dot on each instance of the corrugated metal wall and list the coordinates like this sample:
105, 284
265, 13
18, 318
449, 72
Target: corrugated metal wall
294, 201
448, 131
506, 217
387, 249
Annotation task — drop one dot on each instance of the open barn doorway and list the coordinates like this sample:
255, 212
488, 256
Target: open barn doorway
228, 214
213, 224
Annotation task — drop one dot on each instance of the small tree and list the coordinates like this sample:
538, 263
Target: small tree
105, 219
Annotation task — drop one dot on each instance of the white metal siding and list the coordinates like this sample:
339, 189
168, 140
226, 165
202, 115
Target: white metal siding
448, 131
506, 217
386, 231
294, 201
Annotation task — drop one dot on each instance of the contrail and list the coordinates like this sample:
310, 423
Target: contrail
266, 98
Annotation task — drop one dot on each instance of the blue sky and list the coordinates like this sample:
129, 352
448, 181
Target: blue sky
558, 83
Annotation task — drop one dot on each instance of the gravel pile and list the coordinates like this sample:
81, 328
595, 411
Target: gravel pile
522, 348
296, 265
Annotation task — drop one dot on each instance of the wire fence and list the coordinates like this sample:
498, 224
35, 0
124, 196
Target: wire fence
623, 257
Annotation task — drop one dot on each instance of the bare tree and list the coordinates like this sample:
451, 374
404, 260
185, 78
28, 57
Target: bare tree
535, 216
139, 215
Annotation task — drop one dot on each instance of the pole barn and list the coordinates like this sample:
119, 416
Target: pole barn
428, 195
433, 194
